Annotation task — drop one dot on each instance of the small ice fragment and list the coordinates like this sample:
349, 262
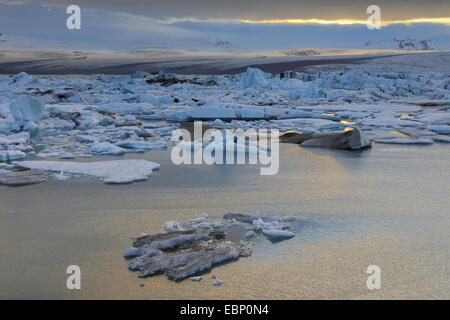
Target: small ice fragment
195, 278
132, 253
217, 282
171, 226
61, 176
249, 234
278, 235
106, 148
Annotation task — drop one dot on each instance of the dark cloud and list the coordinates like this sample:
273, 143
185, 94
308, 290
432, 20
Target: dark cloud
263, 9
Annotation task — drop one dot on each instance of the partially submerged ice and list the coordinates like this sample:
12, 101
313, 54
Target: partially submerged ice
23, 177
352, 139
195, 247
348, 140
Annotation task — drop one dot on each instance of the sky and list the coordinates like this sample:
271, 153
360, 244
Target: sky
247, 24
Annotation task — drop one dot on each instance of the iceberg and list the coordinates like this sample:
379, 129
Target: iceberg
27, 108
349, 140
254, 78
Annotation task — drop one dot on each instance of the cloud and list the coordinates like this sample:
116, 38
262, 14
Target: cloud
44, 26
262, 9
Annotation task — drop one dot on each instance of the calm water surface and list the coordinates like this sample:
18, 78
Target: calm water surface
388, 206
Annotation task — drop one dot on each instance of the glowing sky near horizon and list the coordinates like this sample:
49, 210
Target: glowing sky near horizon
268, 11
253, 24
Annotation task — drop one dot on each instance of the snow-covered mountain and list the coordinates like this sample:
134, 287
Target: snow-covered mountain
405, 44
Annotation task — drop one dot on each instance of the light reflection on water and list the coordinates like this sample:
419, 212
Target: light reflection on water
386, 206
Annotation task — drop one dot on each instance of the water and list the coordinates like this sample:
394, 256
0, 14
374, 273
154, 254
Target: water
388, 206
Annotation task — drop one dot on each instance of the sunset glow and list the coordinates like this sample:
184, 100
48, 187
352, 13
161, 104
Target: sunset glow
445, 21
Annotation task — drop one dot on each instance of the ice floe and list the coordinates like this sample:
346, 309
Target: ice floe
68, 117
113, 171
187, 250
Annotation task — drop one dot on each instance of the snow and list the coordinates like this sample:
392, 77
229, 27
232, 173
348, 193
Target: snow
404, 44
113, 171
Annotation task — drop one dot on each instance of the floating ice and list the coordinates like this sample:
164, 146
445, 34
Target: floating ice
439, 129
195, 278
278, 235
217, 282
210, 113
405, 141
106, 148
111, 114
171, 226
350, 140
27, 108
114, 171
254, 78
142, 145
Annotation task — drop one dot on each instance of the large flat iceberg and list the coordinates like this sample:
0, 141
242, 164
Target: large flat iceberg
113, 171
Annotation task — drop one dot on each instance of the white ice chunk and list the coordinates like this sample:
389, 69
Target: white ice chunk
171, 226
217, 282
142, 145
149, 98
211, 113
195, 278
12, 155
106, 148
250, 113
439, 129
114, 171
17, 138
278, 235
27, 108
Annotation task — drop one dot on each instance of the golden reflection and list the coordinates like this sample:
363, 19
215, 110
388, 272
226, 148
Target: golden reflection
347, 122
443, 20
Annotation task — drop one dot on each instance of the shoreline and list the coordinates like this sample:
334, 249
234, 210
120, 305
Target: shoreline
64, 63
